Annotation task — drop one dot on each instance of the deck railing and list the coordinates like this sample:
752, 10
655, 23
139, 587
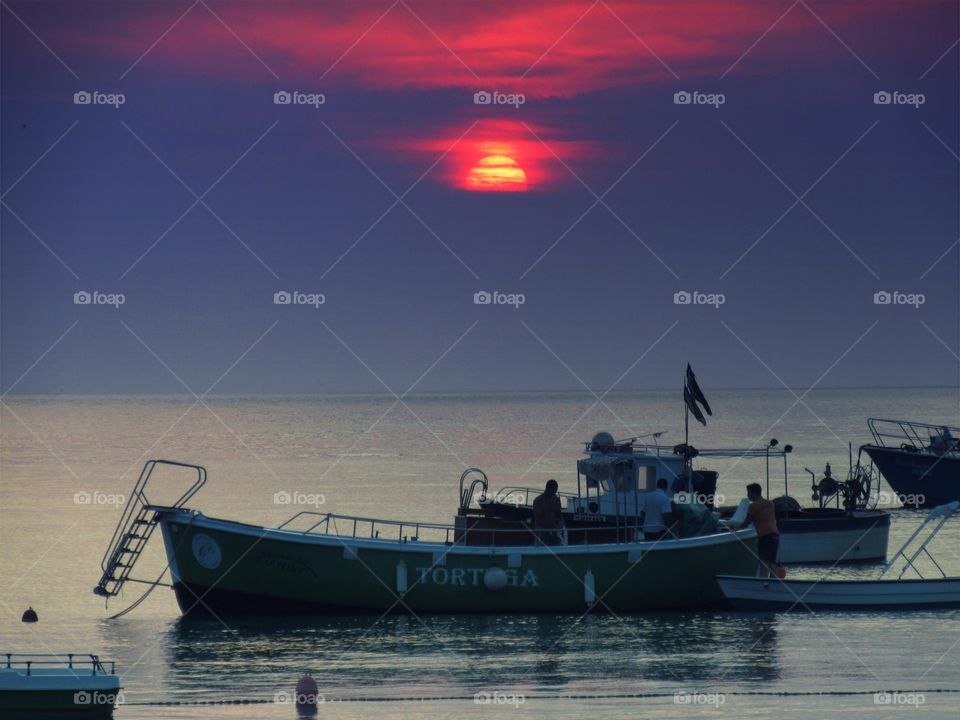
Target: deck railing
349, 526
897, 433
520, 496
73, 661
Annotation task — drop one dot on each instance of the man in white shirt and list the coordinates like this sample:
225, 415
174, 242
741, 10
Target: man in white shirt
657, 512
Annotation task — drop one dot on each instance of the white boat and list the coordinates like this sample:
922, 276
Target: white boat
755, 593
57, 686
760, 593
848, 532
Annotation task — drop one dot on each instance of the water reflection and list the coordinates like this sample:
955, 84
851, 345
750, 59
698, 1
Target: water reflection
456, 654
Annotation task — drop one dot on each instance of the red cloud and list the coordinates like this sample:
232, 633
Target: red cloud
560, 49
543, 49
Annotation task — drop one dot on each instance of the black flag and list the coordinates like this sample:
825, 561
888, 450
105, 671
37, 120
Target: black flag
692, 394
692, 405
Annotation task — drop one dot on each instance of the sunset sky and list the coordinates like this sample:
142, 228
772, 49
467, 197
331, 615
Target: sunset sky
431, 151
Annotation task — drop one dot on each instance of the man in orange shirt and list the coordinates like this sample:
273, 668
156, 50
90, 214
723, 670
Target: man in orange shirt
764, 518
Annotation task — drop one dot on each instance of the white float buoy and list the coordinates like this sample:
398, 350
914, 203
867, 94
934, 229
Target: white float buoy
495, 578
589, 588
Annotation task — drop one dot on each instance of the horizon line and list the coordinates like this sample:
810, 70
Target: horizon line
461, 393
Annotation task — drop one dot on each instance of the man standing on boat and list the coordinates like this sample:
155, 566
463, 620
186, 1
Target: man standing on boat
657, 512
762, 514
547, 514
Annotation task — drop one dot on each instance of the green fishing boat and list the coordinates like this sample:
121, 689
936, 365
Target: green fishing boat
491, 559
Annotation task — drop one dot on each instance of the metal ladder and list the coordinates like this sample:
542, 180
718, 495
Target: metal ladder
136, 525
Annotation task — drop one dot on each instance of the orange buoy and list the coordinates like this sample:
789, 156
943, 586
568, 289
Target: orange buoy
781, 572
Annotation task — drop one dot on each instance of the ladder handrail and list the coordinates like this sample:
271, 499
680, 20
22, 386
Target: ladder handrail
136, 525
138, 498
941, 513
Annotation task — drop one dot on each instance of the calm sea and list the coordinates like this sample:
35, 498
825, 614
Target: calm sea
65, 461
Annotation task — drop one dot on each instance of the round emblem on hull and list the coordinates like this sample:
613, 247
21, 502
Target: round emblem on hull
206, 551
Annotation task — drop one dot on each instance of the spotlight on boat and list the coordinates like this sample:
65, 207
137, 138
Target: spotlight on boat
774, 442
29, 616
788, 448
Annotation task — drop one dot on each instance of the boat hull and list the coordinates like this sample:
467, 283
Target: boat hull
862, 536
753, 593
225, 567
47, 692
52, 704
921, 479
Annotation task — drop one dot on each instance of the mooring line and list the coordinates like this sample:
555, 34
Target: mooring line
554, 696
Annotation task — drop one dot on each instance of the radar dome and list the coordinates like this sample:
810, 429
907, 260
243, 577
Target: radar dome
602, 438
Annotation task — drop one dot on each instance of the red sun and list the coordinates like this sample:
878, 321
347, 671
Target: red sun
496, 173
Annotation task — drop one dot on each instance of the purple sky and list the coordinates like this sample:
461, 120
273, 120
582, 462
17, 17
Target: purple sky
787, 189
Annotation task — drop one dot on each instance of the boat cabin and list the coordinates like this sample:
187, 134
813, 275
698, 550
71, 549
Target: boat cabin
612, 482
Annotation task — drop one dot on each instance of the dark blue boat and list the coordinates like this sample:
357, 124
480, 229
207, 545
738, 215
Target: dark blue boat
919, 461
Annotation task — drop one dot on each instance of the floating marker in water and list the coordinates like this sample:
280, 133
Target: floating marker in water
308, 696
29, 616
